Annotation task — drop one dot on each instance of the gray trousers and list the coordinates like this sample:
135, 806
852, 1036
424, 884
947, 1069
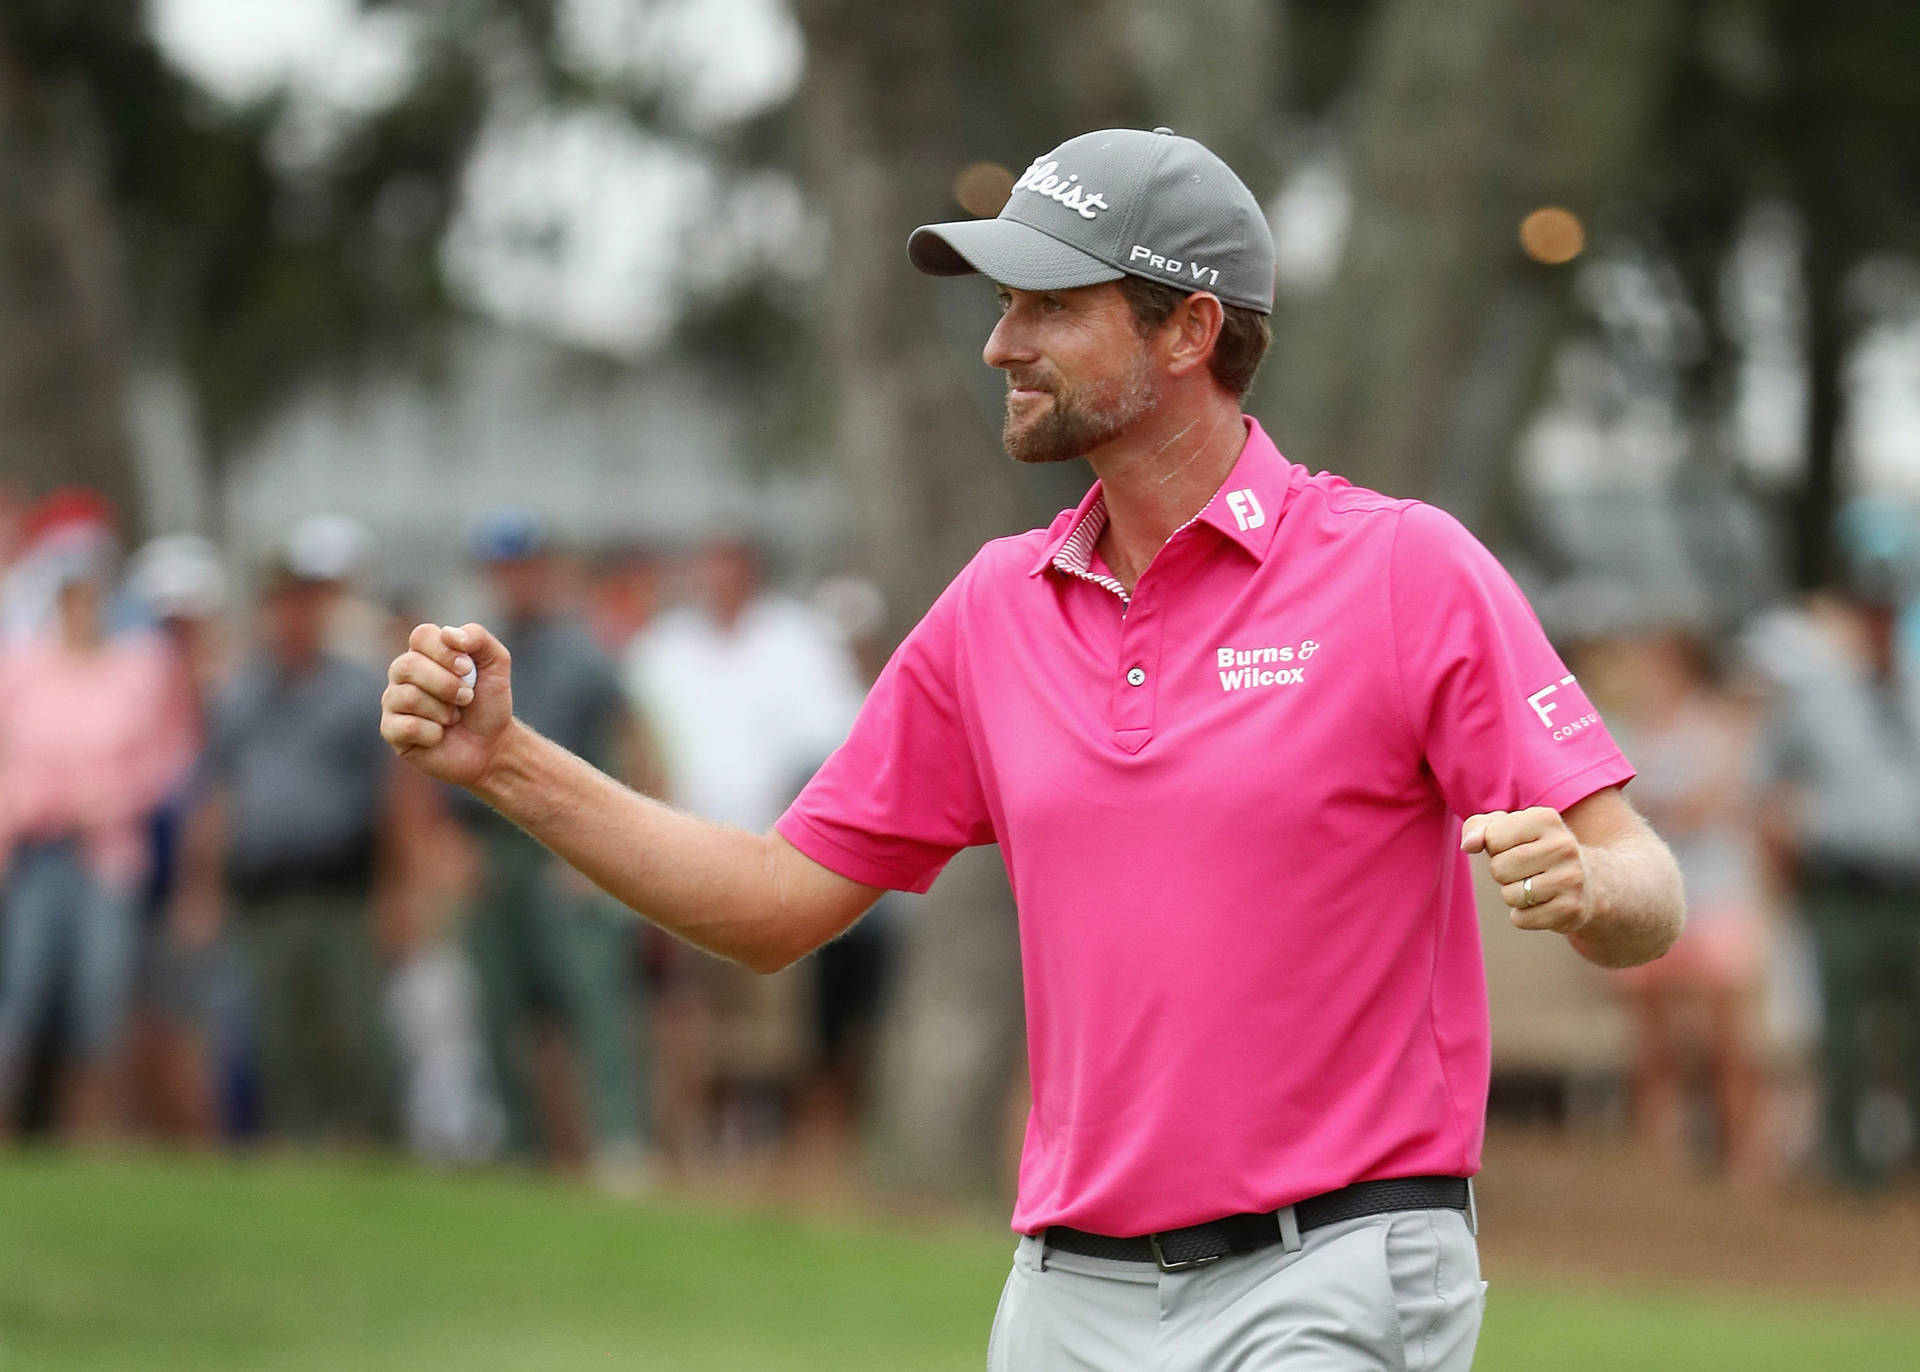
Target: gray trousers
1390, 1293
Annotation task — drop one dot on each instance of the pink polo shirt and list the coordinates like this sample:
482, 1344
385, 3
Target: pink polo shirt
1231, 814
90, 743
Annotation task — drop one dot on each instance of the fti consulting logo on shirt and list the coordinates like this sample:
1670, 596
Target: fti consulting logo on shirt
1243, 669
1547, 708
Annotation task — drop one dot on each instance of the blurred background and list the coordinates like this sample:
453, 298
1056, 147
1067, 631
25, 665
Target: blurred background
592, 318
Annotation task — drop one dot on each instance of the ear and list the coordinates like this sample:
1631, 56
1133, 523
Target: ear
1191, 331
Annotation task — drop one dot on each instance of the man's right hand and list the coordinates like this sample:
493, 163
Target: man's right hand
430, 717
751, 897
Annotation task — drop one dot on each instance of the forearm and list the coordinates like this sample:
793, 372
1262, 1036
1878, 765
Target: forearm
749, 897
1596, 873
1636, 903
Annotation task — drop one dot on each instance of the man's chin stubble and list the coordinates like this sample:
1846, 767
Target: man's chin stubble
1040, 443
1067, 431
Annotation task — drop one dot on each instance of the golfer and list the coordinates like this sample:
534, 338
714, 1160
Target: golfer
1235, 727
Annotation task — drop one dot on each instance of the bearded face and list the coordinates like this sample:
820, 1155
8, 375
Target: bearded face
1051, 419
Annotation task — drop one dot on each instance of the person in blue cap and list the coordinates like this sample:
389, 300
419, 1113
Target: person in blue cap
549, 950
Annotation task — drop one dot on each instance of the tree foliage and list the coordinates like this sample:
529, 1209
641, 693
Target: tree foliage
254, 253
249, 271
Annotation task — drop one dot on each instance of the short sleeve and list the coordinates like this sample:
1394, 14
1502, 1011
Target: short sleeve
1501, 722
902, 795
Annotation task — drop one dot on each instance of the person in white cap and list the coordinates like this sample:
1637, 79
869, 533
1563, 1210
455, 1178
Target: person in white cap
179, 581
304, 837
1236, 727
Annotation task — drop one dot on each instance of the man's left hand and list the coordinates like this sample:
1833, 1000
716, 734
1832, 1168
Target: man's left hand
1536, 844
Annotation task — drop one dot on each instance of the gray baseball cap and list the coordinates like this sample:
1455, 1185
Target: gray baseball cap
1114, 203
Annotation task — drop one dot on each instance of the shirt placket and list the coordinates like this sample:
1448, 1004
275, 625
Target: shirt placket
1134, 688
1136, 671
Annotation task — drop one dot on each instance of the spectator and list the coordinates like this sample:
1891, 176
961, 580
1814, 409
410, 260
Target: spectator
546, 945
357, 621
447, 1109
447, 1105
303, 831
1693, 743
747, 693
1843, 816
42, 536
180, 583
92, 737
623, 596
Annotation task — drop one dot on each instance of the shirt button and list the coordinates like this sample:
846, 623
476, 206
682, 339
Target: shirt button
1136, 677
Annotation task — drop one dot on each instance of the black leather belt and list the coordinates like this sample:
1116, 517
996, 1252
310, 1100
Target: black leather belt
1199, 1244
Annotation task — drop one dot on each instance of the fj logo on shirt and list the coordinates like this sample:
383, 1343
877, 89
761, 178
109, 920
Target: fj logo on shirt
1244, 668
1545, 707
1246, 509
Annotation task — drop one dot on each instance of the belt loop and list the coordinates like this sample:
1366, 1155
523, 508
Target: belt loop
1473, 1211
1040, 1251
1289, 1229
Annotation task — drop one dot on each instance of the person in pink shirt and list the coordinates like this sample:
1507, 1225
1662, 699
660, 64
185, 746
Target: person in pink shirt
94, 734
1236, 728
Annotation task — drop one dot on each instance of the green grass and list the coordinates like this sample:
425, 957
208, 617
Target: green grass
155, 1265
1565, 1331
150, 1265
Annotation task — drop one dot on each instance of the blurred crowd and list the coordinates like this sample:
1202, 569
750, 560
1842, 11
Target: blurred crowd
228, 914
1780, 759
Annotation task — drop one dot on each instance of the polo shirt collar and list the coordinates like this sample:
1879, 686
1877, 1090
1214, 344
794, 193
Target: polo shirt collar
1245, 510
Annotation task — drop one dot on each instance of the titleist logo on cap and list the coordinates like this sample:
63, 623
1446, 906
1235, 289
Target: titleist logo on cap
1042, 178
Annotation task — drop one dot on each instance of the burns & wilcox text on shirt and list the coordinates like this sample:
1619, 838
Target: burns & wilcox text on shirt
1245, 668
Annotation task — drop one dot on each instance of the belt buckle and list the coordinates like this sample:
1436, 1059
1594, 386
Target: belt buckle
1160, 1257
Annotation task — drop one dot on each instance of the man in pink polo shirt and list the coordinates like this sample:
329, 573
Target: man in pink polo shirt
1236, 728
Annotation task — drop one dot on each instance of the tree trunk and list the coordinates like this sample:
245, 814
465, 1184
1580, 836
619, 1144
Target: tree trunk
65, 329
1811, 527
1416, 370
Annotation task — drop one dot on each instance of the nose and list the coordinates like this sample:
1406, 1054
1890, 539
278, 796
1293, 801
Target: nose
1007, 345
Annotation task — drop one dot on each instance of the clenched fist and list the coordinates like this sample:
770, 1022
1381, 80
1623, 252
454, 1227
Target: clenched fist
431, 717
1538, 863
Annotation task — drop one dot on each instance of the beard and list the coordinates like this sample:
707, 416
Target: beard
1081, 416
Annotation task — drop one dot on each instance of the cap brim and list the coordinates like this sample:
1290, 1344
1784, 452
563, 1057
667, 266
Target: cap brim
1006, 251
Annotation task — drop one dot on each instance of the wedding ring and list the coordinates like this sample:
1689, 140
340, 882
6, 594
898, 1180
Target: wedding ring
1526, 892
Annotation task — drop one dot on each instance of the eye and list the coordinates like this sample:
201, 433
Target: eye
1006, 301
1052, 304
